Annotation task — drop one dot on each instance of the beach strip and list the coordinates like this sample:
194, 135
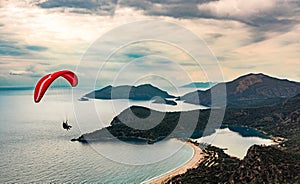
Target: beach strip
197, 157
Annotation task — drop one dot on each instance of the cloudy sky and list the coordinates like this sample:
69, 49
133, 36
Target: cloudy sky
41, 36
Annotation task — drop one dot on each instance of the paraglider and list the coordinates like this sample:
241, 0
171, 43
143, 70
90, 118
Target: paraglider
66, 126
45, 82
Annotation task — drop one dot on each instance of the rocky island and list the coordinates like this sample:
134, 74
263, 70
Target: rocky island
141, 92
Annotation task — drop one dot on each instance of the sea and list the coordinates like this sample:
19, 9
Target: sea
35, 149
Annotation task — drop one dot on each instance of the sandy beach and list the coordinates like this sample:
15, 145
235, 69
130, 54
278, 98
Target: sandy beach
197, 157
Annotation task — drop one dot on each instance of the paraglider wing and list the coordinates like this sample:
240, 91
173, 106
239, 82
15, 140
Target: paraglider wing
43, 84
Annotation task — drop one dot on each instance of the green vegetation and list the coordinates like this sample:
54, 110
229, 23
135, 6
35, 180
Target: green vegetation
260, 165
170, 124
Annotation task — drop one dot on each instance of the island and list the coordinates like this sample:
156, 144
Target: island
83, 99
164, 101
141, 92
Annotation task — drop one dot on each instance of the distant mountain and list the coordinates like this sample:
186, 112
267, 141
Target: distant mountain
164, 101
142, 92
249, 89
199, 85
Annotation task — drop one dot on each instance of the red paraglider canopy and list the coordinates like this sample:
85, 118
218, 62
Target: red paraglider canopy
43, 84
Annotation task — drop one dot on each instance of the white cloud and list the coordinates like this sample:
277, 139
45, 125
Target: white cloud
238, 8
19, 72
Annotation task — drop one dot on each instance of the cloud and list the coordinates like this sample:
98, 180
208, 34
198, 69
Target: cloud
267, 15
15, 48
101, 7
172, 8
44, 63
222, 9
11, 48
243, 67
134, 55
143, 69
19, 72
238, 9
30, 71
262, 16
36, 48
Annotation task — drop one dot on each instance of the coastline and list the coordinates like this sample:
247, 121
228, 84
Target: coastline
193, 162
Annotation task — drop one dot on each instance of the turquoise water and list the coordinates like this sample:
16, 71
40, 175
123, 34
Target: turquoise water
34, 147
234, 143
247, 132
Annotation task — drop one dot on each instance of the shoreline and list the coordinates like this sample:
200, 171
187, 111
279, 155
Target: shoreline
193, 162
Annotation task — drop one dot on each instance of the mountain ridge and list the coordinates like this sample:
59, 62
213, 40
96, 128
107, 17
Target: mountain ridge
248, 89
